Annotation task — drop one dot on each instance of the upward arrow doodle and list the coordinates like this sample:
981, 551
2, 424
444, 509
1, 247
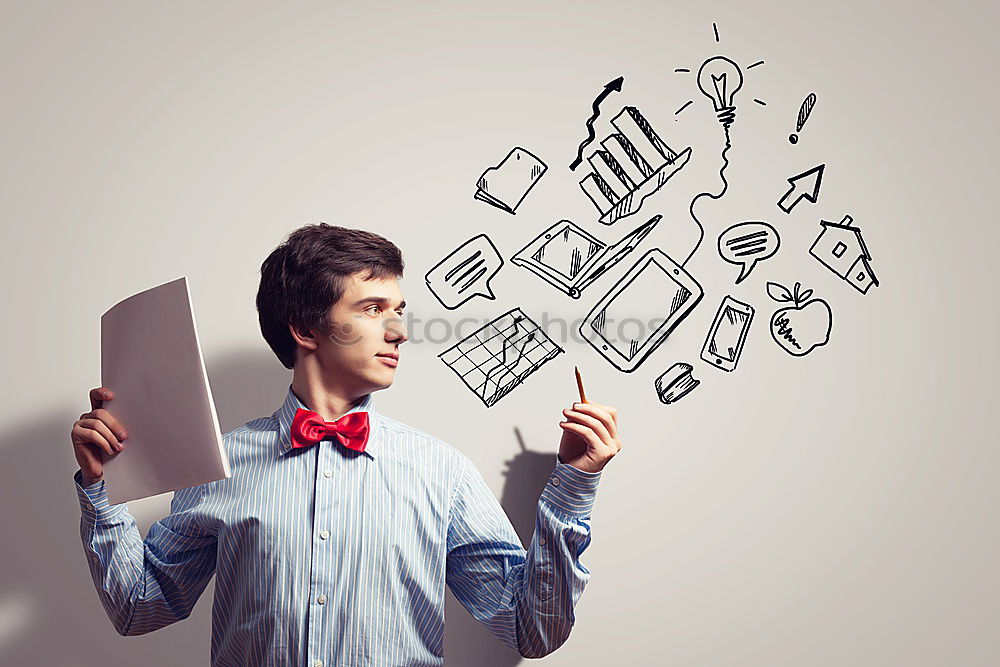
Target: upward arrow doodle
809, 189
610, 87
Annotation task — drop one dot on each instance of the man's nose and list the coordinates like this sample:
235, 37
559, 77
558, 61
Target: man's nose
395, 331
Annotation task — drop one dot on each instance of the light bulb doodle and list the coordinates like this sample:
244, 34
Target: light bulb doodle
720, 79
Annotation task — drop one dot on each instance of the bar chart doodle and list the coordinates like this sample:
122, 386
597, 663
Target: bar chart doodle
497, 358
633, 164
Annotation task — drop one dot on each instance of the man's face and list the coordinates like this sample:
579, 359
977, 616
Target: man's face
363, 350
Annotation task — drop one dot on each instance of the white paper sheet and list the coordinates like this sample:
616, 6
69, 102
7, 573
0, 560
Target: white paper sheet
152, 361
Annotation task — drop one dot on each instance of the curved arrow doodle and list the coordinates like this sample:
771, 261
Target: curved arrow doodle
611, 86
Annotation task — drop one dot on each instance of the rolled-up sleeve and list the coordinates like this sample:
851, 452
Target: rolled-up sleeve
526, 598
146, 584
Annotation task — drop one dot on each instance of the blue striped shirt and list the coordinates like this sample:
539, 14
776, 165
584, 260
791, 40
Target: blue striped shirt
327, 556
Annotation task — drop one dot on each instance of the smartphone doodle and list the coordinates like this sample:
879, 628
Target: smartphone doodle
727, 334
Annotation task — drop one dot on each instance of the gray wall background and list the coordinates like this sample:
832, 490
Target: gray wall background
837, 509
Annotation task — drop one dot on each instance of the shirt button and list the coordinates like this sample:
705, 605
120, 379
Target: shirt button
555, 481
541, 541
327, 473
321, 599
324, 534
317, 663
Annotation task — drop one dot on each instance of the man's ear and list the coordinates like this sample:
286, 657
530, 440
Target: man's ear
303, 337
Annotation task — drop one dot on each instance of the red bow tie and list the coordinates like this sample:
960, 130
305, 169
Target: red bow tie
351, 430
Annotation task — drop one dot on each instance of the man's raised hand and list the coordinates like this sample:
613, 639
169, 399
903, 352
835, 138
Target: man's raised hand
590, 436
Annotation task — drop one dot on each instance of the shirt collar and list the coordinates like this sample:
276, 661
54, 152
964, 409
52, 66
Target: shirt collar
286, 413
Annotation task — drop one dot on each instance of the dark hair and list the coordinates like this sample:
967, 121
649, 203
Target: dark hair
304, 277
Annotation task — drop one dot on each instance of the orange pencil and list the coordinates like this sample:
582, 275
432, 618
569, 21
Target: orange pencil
579, 384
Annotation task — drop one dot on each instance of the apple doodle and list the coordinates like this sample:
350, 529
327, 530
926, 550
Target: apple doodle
803, 326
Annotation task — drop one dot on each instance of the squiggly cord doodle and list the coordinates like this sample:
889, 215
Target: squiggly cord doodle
725, 186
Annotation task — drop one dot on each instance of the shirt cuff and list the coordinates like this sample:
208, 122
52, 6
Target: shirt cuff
571, 490
94, 503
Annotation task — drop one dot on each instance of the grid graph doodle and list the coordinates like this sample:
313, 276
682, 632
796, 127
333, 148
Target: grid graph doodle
497, 358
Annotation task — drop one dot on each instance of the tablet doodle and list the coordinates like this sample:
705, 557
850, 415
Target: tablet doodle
655, 284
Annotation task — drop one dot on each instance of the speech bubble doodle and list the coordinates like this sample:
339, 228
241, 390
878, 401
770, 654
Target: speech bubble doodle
464, 273
747, 243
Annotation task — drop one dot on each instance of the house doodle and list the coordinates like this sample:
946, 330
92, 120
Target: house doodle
840, 247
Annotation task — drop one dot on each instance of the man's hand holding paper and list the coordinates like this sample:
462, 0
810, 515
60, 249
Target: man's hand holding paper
96, 434
152, 366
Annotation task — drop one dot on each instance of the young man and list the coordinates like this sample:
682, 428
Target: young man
339, 528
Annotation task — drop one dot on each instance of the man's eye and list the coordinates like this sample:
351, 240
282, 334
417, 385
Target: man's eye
372, 308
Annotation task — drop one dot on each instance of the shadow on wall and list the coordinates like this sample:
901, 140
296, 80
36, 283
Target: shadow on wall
49, 609
466, 641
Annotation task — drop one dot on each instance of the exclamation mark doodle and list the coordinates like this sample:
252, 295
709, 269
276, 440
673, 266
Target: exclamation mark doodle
804, 111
